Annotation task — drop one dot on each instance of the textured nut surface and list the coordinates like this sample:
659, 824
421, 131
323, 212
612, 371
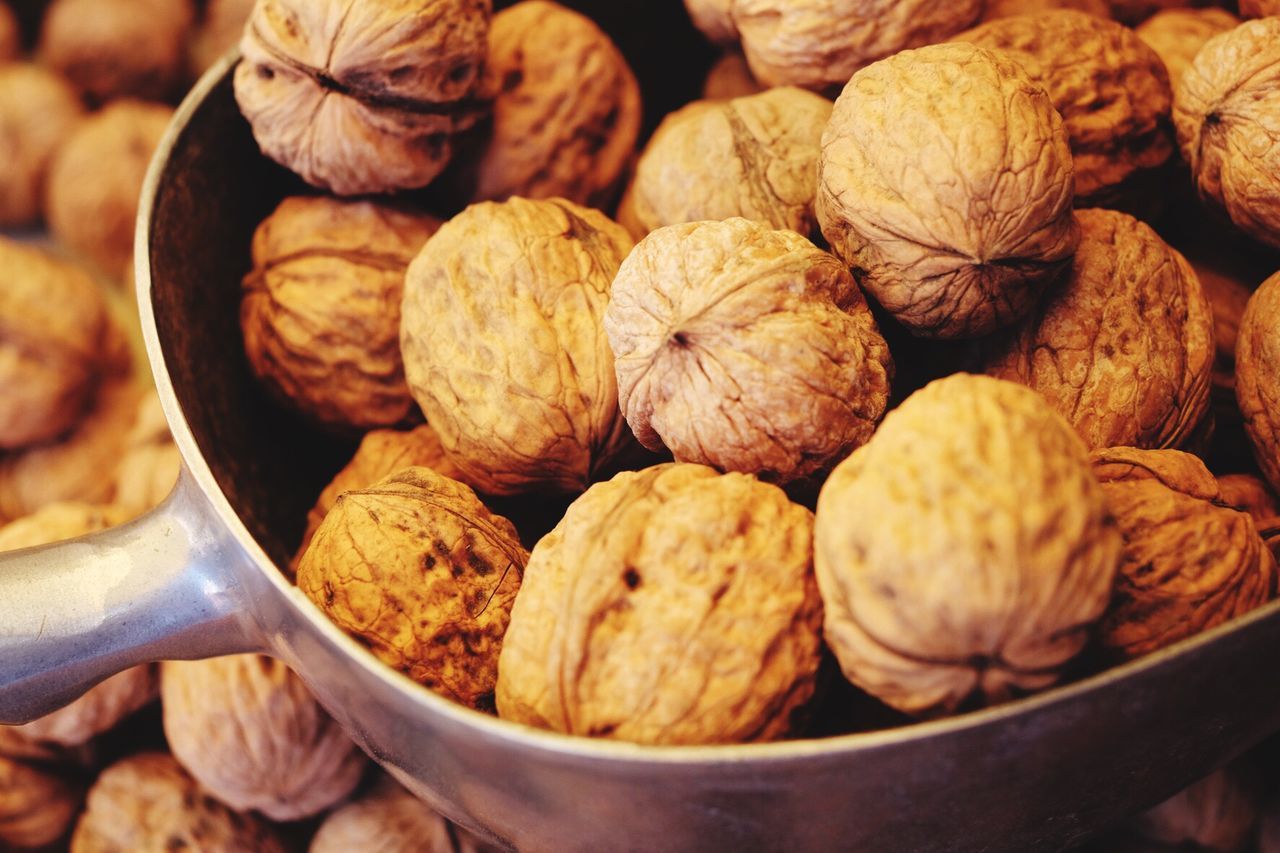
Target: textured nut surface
38, 109
91, 208
1110, 87
1259, 8
755, 157
945, 182
361, 96
991, 556
148, 802
1250, 494
745, 349
418, 570
1219, 812
1228, 118
1008, 8
566, 108
248, 730
386, 819
671, 605
504, 348
1123, 348
1178, 34
1258, 376
36, 808
149, 469
1190, 562
220, 29
321, 308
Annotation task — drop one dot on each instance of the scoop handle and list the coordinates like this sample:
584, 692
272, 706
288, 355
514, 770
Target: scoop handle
73, 613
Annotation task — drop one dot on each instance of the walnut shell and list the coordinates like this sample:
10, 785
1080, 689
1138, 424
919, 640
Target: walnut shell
1248, 493
148, 802
1124, 347
730, 77
945, 182
1112, 91
248, 730
36, 807
361, 97
745, 349
38, 110
755, 157
1190, 562
672, 605
1258, 376
220, 29
386, 819
321, 308
991, 556
1259, 8
1008, 8
1178, 34
1228, 298
95, 181
1226, 115
419, 571
504, 348
1220, 812
10, 35
149, 469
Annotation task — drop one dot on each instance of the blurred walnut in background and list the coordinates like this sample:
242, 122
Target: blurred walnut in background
730, 77
1008, 8
1259, 8
220, 28
1178, 34
149, 468
10, 34
38, 111
387, 819
37, 807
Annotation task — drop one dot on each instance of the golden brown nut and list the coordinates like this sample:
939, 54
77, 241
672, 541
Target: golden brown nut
730, 77
1111, 89
504, 348
1220, 812
746, 349
248, 730
147, 802
1226, 112
149, 469
10, 34
1190, 562
945, 182
1259, 8
672, 605
36, 807
386, 819
1258, 376
38, 110
1248, 493
990, 558
755, 157
364, 96
422, 574
220, 29
1178, 34
1124, 347
321, 307
1008, 8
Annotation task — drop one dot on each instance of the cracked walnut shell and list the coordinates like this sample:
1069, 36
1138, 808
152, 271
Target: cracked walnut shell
38, 110
420, 572
504, 348
746, 349
361, 96
945, 183
991, 556
1177, 35
36, 807
321, 308
1258, 376
672, 605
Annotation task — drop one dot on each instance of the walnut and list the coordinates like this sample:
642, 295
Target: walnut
1249, 494
745, 349
1134, 11
114, 49
364, 96
991, 556
38, 110
1228, 298
95, 180
1008, 8
755, 157
1124, 347
387, 819
1111, 89
220, 29
36, 807
148, 802
10, 35
1259, 8
424, 575
1178, 34
673, 605
504, 348
149, 468
1258, 376
321, 307
1220, 812
566, 109
730, 77
945, 182
248, 730
1225, 113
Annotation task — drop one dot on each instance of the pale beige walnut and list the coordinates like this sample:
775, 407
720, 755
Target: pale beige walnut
1112, 91
149, 469
945, 183
1228, 118
1250, 494
54, 322
248, 730
673, 605
385, 819
1123, 348
321, 307
755, 157
1008, 8
730, 77
1218, 813
1259, 8
990, 557
36, 807
219, 30
419, 571
1190, 561
1178, 34
95, 181
566, 109
745, 349
148, 802
361, 96
10, 34
504, 348
38, 110
1258, 376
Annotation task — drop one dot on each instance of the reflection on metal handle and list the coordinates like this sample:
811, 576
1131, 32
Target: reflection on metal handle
73, 613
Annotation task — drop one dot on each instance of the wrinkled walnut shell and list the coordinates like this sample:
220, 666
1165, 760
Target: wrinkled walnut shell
38, 110
387, 819
1258, 376
36, 807
1177, 35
